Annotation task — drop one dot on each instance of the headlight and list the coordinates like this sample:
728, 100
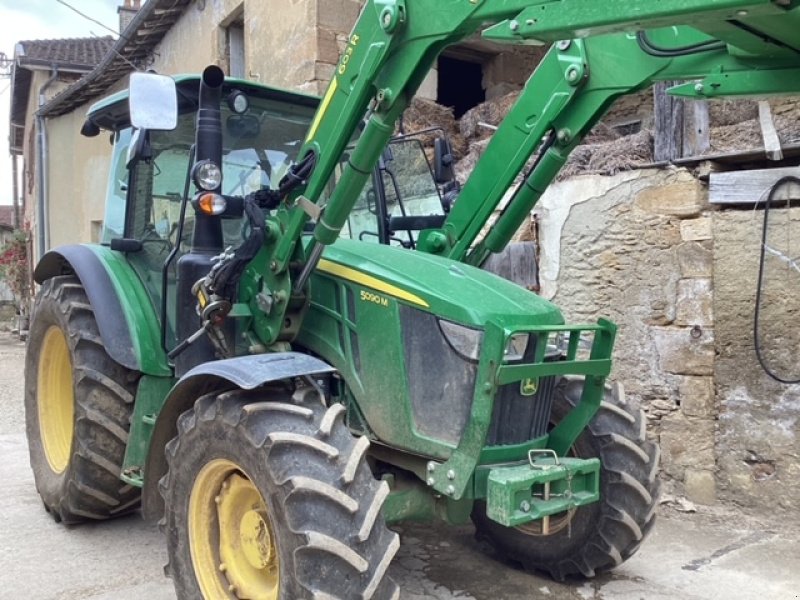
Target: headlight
557, 344
207, 175
465, 341
211, 204
516, 346
238, 102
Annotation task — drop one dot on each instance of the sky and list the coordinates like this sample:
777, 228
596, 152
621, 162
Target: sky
40, 20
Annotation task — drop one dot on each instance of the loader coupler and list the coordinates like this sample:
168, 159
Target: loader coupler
547, 486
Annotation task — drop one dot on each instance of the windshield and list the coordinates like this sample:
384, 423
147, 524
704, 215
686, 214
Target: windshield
409, 190
258, 148
144, 200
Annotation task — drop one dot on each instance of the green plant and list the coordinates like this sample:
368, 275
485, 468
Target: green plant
14, 269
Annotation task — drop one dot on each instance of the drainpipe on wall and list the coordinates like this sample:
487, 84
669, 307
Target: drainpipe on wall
43, 200
15, 190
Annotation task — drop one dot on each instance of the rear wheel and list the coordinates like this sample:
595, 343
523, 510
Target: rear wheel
270, 500
600, 536
78, 405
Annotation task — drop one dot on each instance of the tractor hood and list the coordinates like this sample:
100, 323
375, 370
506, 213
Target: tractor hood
449, 289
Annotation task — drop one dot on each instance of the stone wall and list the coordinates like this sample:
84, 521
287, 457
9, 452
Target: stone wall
679, 277
635, 247
758, 446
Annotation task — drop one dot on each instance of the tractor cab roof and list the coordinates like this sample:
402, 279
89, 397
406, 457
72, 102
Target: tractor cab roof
112, 113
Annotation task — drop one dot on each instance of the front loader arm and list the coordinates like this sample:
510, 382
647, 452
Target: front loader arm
571, 90
390, 51
395, 42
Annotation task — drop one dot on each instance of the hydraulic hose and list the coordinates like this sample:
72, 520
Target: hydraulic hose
762, 360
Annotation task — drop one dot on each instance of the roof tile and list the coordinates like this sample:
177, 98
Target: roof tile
85, 52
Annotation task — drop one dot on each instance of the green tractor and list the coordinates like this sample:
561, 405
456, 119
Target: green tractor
285, 344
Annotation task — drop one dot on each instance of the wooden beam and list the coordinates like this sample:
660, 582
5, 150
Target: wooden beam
669, 118
772, 143
696, 128
751, 187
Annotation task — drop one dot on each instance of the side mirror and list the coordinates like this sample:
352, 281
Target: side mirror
90, 129
139, 148
443, 165
153, 102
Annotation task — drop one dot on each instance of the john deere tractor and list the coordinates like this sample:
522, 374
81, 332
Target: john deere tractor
284, 343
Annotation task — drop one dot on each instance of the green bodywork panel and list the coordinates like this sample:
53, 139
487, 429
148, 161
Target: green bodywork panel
409, 501
150, 396
525, 493
354, 322
378, 379
138, 312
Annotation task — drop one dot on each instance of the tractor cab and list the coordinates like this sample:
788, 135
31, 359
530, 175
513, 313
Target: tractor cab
149, 184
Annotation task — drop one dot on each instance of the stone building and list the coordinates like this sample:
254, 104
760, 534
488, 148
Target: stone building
42, 69
645, 246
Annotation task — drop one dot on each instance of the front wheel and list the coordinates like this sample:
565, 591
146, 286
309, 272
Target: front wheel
600, 536
271, 500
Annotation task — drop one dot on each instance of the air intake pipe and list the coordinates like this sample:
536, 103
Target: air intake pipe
208, 144
207, 241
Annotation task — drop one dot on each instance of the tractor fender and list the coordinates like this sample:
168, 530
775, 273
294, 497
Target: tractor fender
244, 372
128, 324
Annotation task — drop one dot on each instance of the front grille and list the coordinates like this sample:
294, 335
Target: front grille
516, 418
441, 382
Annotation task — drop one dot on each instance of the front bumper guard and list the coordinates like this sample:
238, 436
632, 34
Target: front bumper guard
547, 486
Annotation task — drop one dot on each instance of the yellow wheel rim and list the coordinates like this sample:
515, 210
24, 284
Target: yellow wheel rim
55, 399
231, 538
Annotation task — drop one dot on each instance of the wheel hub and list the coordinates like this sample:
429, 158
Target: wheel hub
556, 524
255, 539
55, 399
233, 547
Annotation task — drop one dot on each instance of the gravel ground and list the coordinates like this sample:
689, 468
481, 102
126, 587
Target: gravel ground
717, 554
12, 372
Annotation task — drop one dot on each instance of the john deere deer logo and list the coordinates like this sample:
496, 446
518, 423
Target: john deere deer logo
528, 387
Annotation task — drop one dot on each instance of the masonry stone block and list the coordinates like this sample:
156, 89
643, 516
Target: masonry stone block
338, 15
696, 230
327, 46
695, 260
697, 397
759, 430
700, 486
324, 71
686, 444
684, 350
685, 198
694, 305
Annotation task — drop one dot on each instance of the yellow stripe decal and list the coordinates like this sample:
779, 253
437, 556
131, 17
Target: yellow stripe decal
349, 274
323, 108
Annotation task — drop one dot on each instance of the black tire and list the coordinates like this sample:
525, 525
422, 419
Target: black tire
323, 504
89, 487
598, 537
